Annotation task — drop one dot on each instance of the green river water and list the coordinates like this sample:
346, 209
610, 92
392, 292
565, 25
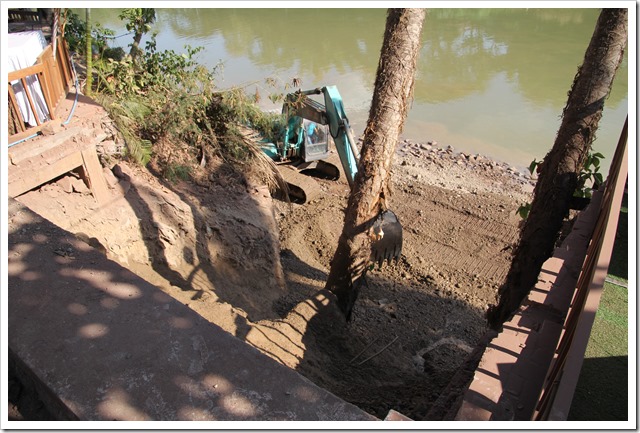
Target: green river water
489, 81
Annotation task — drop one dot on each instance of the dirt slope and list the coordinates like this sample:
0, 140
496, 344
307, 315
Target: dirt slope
256, 267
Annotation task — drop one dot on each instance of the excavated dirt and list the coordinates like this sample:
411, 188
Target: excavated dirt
256, 266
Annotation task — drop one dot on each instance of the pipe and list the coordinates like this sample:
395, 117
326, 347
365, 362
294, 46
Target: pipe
75, 102
73, 108
24, 139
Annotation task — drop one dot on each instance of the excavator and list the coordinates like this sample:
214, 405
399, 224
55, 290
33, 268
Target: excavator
305, 148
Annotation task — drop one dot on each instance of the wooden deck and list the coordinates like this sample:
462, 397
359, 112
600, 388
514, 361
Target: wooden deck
529, 371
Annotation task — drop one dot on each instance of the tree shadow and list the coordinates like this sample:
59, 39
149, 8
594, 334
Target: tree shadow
603, 390
325, 348
227, 244
401, 349
103, 344
619, 259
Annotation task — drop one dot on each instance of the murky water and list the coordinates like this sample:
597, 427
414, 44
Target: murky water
489, 81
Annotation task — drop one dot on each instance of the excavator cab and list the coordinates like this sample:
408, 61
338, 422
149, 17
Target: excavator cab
307, 139
316, 141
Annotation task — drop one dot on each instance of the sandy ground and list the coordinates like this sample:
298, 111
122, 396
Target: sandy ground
257, 266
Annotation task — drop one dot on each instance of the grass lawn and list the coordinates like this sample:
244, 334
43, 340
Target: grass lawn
602, 390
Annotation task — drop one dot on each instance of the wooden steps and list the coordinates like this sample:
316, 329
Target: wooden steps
35, 162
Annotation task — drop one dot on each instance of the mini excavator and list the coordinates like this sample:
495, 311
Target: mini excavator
305, 146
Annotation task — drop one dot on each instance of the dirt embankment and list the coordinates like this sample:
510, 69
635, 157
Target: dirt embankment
257, 267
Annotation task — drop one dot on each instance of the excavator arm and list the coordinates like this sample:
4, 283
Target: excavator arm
301, 112
386, 230
332, 114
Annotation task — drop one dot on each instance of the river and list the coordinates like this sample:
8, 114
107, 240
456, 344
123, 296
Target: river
492, 81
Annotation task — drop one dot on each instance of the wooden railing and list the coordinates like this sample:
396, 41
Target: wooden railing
529, 370
563, 374
55, 78
17, 15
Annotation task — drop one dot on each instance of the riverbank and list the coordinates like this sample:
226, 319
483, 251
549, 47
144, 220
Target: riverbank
216, 249
257, 266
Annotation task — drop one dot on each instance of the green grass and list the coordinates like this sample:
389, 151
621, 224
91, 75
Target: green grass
602, 390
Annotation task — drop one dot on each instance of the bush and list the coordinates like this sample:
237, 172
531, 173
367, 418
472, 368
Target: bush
169, 110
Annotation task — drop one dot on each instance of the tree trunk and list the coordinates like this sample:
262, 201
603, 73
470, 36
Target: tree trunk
391, 97
137, 37
558, 177
89, 55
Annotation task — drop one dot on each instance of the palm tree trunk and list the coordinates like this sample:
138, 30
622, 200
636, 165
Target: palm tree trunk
392, 93
560, 168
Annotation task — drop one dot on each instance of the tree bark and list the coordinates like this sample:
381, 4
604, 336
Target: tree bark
137, 37
89, 56
392, 93
559, 172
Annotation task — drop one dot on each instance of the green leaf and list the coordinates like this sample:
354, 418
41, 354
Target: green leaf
598, 178
524, 210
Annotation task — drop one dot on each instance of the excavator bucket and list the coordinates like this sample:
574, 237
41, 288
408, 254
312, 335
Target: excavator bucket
386, 235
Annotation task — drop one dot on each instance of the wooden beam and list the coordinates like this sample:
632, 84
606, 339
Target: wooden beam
16, 109
30, 179
93, 168
26, 72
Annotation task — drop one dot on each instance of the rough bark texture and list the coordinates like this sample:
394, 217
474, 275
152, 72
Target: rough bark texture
392, 94
558, 177
89, 56
139, 21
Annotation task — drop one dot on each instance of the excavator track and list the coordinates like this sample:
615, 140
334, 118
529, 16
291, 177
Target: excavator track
331, 167
302, 188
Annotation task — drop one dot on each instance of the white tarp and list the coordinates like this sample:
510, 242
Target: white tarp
23, 51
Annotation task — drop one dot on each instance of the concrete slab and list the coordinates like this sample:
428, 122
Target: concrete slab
103, 344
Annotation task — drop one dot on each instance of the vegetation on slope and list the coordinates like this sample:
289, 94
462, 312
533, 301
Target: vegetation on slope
171, 114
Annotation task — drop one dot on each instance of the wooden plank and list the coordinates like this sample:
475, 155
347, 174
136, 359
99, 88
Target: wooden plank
64, 59
93, 168
53, 83
26, 72
28, 178
29, 150
14, 105
44, 59
26, 133
46, 91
